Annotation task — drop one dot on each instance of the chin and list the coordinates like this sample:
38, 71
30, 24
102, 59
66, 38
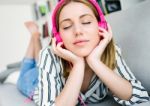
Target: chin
83, 54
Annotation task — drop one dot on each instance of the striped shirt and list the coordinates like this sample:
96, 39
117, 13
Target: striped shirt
51, 82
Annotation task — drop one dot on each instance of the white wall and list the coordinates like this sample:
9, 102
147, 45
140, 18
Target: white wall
125, 4
14, 37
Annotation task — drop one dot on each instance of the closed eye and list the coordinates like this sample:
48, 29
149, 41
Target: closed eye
67, 27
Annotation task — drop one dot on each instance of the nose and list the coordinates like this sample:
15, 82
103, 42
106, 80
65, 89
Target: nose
78, 30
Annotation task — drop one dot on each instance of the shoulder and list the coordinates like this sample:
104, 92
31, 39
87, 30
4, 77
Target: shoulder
46, 55
48, 60
45, 50
43, 55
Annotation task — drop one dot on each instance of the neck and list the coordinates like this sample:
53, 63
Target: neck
87, 78
88, 69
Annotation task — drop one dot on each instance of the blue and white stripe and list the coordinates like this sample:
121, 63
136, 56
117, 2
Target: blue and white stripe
51, 82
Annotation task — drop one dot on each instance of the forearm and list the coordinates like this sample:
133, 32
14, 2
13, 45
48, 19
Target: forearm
118, 86
70, 92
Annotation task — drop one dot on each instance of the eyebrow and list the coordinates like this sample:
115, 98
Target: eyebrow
68, 19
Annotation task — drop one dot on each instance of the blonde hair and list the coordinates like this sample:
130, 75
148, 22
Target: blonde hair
108, 56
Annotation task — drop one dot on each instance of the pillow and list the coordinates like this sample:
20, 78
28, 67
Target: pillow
5, 73
13, 77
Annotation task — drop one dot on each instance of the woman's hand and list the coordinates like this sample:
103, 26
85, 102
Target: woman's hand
64, 53
97, 52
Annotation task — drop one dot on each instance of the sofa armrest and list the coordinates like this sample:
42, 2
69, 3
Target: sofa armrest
14, 65
10, 69
4, 74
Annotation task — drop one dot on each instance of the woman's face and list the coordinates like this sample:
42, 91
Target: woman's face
78, 28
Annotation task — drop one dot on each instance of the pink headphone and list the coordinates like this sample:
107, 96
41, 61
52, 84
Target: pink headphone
102, 22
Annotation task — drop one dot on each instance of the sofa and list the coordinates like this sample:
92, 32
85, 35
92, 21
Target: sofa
131, 32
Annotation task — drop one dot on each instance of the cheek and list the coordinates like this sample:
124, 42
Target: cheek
93, 29
95, 38
66, 38
95, 41
94, 32
63, 36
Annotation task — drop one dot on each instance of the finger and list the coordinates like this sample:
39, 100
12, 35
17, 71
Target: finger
60, 49
102, 30
103, 34
109, 28
54, 45
65, 54
110, 31
59, 45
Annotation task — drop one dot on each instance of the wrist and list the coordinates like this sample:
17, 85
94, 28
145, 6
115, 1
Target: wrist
78, 61
92, 61
79, 64
94, 64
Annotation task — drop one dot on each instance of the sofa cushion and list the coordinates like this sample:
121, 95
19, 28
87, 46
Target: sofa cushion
131, 32
10, 96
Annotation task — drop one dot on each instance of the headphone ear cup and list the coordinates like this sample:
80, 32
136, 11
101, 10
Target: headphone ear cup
103, 25
58, 38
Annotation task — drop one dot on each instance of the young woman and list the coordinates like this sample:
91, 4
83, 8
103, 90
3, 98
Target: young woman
90, 65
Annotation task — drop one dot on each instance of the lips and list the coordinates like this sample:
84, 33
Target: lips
80, 42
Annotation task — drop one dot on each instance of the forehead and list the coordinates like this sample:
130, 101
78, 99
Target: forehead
75, 9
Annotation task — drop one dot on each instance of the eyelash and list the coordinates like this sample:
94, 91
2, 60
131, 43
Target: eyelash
86, 23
